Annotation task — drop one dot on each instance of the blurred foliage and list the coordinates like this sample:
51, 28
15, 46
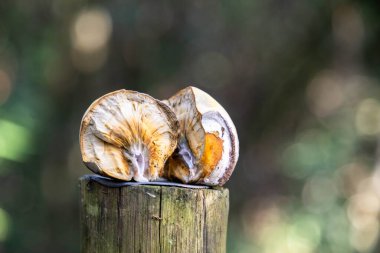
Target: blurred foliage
299, 78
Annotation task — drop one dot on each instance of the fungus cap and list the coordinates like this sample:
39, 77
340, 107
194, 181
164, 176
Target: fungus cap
128, 135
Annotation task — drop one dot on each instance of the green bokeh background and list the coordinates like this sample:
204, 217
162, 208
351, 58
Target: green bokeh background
300, 79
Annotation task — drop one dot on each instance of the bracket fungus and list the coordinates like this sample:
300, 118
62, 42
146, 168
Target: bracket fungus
128, 135
190, 138
208, 146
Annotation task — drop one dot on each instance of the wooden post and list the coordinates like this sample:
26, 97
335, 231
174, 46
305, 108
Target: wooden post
150, 219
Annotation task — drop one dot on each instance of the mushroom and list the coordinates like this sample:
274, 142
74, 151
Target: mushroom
208, 145
128, 135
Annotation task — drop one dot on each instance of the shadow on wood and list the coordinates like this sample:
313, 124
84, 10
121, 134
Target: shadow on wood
150, 219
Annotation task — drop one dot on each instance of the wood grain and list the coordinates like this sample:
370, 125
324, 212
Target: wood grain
150, 219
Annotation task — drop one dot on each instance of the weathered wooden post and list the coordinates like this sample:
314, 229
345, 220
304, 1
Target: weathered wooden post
152, 218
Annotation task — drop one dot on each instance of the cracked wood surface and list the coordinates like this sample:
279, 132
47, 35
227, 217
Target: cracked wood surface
152, 219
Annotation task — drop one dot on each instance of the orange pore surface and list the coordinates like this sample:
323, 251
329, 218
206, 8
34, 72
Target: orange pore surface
212, 153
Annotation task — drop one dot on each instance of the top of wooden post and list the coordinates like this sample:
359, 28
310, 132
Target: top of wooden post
152, 218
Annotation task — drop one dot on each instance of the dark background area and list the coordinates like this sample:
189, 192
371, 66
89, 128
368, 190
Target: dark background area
300, 79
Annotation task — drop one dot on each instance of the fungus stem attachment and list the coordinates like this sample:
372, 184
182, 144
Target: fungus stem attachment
187, 157
137, 157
